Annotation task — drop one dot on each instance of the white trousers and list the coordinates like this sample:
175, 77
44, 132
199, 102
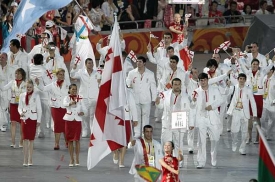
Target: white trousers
87, 123
143, 112
239, 122
269, 122
222, 115
4, 103
46, 116
190, 138
158, 114
205, 126
173, 135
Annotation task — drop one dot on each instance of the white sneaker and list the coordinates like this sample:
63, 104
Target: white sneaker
214, 163
41, 135
234, 148
3, 128
84, 135
199, 166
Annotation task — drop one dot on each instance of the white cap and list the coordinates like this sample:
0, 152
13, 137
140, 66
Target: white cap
49, 23
14, 4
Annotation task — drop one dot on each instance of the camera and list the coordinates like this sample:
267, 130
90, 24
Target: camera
249, 47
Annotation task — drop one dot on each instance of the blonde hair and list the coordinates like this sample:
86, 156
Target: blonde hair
60, 70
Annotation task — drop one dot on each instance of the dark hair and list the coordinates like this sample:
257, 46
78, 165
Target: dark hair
172, 144
22, 72
253, 180
169, 48
191, 72
215, 2
176, 79
244, 9
143, 59
147, 126
233, 2
256, 43
242, 75
255, 60
88, 59
15, 43
72, 85
262, 3
38, 59
124, 54
95, 4
211, 62
168, 33
175, 57
51, 44
203, 76
272, 69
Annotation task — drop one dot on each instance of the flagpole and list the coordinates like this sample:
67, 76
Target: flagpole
271, 50
265, 143
227, 53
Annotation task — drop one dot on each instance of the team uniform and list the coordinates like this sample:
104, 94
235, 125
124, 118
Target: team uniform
31, 108
71, 117
88, 90
144, 89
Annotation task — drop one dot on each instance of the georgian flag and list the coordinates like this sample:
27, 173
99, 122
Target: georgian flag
110, 131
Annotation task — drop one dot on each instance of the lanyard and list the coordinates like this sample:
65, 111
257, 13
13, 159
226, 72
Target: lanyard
206, 96
172, 75
175, 99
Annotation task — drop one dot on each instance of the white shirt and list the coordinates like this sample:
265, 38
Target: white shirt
53, 65
18, 60
144, 86
88, 83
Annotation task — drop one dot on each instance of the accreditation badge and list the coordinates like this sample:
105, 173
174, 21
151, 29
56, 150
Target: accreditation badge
151, 160
54, 71
265, 95
239, 105
17, 99
255, 88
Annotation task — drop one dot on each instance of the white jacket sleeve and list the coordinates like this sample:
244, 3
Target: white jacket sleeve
38, 108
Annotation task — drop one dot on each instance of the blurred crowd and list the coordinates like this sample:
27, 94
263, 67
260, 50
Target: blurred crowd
152, 13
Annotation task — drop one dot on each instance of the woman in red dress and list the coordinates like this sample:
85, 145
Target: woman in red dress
17, 87
170, 164
30, 111
75, 110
